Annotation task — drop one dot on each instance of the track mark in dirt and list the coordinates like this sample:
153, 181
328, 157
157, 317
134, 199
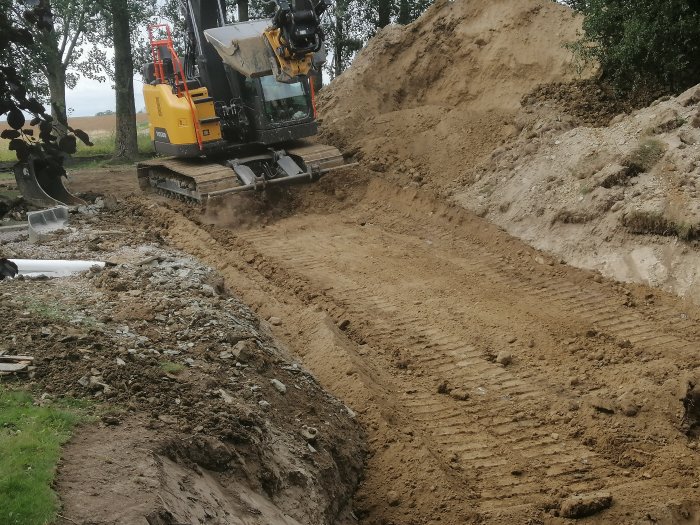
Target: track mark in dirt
430, 297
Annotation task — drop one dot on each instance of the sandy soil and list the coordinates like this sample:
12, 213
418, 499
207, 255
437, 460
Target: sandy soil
496, 384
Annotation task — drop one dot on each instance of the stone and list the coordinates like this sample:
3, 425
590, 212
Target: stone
504, 358
244, 350
275, 321
279, 386
120, 362
628, 405
309, 433
459, 394
393, 499
577, 507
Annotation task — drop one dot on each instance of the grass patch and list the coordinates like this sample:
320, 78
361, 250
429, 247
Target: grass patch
644, 157
30, 444
49, 311
655, 223
103, 145
171, 368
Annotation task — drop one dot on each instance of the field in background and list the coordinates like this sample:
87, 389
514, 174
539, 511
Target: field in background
101, 131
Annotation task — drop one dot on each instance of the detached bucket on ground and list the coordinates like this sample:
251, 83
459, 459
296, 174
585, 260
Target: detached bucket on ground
41, 187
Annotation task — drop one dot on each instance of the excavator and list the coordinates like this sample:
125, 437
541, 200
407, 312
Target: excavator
233, 114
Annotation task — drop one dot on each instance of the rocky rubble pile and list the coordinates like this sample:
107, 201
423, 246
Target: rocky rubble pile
159, 336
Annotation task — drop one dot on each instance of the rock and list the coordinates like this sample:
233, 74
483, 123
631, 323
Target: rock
275, 321
392, 498
459, 394
263, 403
627, 405
244, 350
84, 381
226, 355
120, 362
444, 388
228, 398
310, 433
511, 339
504, 358
279, 386
687, 137
577, 507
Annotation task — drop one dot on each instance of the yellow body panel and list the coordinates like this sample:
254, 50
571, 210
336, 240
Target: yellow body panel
167, 111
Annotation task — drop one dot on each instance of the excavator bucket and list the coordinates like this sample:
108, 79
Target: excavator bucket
41, 187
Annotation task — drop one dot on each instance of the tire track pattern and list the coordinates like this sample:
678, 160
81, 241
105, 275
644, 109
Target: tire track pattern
497, 436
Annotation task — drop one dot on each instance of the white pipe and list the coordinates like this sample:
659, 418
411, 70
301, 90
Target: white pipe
49, 268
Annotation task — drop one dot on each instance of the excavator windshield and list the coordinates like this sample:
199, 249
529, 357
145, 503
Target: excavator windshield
284, 102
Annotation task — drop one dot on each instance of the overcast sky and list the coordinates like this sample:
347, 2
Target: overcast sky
90, 97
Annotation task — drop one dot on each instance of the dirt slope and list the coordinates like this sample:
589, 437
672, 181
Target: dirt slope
428, 100
622, 199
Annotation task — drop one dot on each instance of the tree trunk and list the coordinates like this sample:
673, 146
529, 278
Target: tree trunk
404, 12
56, 77
243, 10
384, 13
338, 45
125, 145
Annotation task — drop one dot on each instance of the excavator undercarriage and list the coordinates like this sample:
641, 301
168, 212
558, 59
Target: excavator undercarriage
200, 179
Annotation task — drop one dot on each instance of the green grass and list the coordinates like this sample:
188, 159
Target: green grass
30, 447
49, 311
103, 145
171, 368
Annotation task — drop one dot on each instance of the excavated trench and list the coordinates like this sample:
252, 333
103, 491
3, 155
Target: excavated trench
496, 384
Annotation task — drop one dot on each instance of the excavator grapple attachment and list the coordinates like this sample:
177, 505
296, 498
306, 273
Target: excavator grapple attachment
41, 187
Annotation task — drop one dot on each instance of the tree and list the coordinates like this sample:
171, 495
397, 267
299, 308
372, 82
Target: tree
46, 150
61, 51
642, 46
126, 144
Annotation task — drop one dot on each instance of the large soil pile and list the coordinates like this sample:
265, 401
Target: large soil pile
479, 101
432, 98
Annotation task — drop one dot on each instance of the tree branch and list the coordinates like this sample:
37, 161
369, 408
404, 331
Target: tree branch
78, 33
64, 39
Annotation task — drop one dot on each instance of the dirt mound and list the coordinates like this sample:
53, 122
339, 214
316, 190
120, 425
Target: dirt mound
621, 199
431, 98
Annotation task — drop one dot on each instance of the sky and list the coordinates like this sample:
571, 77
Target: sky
90, 97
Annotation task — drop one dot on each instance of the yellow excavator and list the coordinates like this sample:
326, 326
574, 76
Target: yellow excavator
233, 113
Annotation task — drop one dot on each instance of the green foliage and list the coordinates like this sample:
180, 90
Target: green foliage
30, 439
642, 46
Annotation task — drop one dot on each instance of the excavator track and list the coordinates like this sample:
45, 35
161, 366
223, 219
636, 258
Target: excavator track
198, 179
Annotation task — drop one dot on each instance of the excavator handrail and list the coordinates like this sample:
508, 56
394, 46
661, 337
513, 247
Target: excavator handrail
160, 73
